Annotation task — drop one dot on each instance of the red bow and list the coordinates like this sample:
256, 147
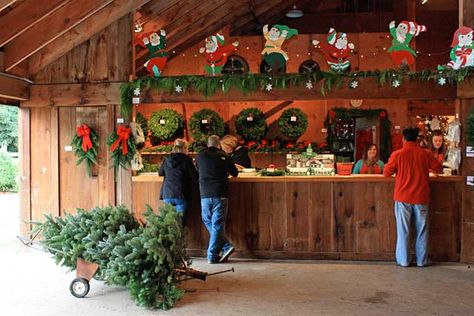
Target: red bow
463, 54
123, 134
84, 132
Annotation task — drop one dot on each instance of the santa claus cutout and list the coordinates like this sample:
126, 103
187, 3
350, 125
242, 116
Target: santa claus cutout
336, 50
157, 56
400, 51
462, 54
216, 53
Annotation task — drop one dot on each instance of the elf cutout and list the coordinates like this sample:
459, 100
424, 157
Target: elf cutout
462, 54
336, 50
216, 53
400, 51
272, 52
157, 55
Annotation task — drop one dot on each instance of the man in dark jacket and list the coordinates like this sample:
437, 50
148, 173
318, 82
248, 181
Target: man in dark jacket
179, 172
214, 167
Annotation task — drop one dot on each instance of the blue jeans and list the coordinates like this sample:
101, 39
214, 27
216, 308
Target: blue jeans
214, 214
181, 205
403, 214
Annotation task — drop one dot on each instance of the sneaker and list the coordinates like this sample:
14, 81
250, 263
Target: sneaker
213, 261
227, 254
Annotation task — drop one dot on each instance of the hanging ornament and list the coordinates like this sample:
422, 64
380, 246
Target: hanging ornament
216, 53
396, 83
400, 51
269, 87
157, 57
309, 85
178, 89
442, 81
354, 84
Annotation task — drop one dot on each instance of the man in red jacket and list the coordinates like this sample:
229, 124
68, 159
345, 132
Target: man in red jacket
411, 164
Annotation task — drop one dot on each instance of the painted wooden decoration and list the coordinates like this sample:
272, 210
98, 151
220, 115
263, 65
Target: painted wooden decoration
273, 54
462, 54
336, 50
400, 51
216, 53
157, 56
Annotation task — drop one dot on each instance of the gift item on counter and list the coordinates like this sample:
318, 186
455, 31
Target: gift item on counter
453, 158
305, 165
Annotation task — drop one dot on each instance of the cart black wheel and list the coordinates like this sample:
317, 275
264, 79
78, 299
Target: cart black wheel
79, 287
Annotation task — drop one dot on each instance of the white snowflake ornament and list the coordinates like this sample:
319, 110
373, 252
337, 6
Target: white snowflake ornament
396, 83
309, 85
354, 84
442, 81
136, 91
269, 87
178, 89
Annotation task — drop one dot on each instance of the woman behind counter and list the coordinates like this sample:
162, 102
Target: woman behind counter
239, 154
369, 164
179, 172
437, 147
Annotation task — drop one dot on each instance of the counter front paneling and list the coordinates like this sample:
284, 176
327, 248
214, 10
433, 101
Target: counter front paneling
340, 217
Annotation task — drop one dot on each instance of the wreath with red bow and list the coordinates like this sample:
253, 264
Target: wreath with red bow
122, 147
84, 145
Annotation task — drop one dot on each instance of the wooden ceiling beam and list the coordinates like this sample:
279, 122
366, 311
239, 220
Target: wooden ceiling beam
13, 88
82, 33
26, 15
270, 16
50, 29
6, 3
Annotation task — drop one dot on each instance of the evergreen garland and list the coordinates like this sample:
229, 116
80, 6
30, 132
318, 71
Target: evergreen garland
166, 124
84, 153
250, 83
119, 157
253, 129
470, 128
201, 131
143, 259
293, 129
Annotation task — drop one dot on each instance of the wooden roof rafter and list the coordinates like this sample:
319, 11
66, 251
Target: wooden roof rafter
6, 3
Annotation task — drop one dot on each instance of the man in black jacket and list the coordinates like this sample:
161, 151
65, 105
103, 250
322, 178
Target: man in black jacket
214, 167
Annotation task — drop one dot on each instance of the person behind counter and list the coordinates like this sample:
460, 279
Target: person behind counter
369, 164
179, 173
411, 164
437, 148
214, 167
239, 154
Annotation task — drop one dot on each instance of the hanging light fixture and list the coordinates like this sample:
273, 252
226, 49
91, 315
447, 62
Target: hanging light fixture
294, 13
424, 1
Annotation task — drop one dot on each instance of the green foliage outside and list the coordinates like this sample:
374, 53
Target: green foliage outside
9, 127
8, 174
141, 258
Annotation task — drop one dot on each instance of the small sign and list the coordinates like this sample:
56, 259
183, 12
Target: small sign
162, 122
469, 151
67, 148
470, 181
120, 120
136, 100
293, 118
249, 118
324, 130
204, 121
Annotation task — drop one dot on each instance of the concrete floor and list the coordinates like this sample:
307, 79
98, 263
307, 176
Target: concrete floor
34, 285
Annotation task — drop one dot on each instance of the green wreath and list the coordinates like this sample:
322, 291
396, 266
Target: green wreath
205, 123
251, 124
85, 144
293, 123
470, 128
166, 124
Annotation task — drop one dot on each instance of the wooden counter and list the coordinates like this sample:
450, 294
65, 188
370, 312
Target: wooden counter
340, 217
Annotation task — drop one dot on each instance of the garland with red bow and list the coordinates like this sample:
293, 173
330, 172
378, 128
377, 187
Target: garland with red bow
84, 145
122, 147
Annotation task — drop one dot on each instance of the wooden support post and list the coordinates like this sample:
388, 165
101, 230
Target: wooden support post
25, 169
